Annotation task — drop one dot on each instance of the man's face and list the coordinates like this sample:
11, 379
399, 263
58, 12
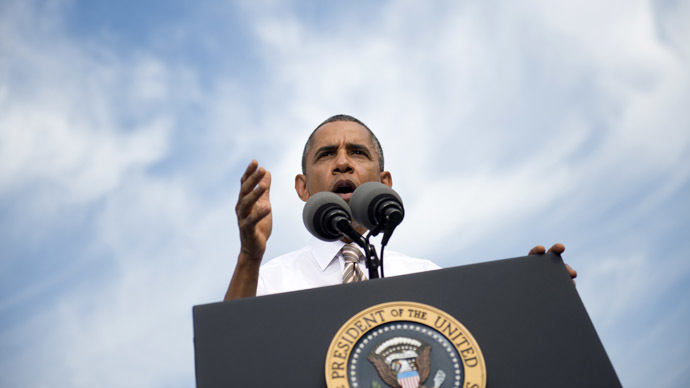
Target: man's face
341, 157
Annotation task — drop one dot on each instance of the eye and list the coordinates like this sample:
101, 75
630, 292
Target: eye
325, 154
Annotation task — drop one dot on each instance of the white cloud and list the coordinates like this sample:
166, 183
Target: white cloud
59, 113
81, 128
471, 47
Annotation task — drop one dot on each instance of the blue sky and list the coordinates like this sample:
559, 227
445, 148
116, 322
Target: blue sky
125, 126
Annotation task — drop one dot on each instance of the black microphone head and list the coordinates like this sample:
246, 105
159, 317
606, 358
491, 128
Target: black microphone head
320, 210
371, 200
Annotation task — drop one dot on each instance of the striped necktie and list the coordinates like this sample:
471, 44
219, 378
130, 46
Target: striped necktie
352, 271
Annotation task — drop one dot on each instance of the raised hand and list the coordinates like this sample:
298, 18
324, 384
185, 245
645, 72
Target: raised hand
255, 222
254, 211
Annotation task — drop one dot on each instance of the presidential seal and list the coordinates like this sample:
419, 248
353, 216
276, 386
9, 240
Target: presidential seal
404, 345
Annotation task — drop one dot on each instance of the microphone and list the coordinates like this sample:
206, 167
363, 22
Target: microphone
327, 216
376, 206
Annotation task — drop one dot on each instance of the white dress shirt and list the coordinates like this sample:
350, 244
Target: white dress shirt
321, 264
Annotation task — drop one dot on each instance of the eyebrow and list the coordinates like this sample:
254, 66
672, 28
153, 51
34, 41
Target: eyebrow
348, 146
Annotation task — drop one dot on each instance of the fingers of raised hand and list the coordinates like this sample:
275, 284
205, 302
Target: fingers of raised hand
257, 214
248, 202
251, 178
250, 170
253, 203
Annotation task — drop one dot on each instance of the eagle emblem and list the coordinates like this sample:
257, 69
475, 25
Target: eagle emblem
400, 345
403, 362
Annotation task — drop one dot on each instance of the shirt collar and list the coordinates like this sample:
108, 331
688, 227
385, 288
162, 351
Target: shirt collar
325, 251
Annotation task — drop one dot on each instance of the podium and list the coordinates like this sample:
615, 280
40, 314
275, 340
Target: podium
524, 313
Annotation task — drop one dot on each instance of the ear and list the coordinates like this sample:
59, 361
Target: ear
301, 187
386, 178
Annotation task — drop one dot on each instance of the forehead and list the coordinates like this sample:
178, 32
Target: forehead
340, 133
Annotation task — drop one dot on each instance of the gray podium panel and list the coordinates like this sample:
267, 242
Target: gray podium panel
524, 313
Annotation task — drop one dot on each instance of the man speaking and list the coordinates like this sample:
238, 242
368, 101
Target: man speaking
341, 154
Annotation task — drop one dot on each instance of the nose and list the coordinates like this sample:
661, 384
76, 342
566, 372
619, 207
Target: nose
343, 163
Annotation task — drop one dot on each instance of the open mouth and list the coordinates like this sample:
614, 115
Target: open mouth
344, 189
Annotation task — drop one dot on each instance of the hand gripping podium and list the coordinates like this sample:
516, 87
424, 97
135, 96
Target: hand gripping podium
524, 314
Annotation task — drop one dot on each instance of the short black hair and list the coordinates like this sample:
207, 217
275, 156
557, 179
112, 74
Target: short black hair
342, 117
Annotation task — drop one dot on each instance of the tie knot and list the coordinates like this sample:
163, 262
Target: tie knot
351, 253
352, 273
